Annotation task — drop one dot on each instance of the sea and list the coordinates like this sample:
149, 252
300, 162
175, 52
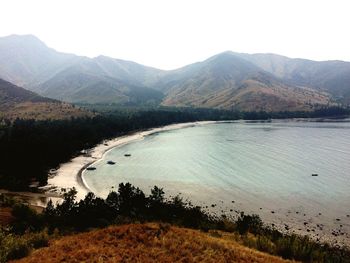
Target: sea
295, 174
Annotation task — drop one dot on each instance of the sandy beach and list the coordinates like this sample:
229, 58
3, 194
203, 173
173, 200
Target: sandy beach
69, 174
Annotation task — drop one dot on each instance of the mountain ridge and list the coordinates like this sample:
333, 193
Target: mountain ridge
227, 80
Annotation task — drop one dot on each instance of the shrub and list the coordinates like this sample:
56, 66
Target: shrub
14, 247
26, 219
249, 223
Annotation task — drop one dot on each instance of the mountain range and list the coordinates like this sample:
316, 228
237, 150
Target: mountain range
227, 80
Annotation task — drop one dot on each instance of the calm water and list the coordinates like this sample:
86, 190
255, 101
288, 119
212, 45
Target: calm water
260, 166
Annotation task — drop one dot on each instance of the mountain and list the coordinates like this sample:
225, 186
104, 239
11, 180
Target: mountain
147, 243
230, 82
129, 71
16, 102
26, 61
82, 85
227, 80
329, 76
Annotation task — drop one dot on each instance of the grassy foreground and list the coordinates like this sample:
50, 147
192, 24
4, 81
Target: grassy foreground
149, 242
25, 230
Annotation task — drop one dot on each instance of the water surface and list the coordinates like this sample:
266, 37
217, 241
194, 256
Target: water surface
263, 168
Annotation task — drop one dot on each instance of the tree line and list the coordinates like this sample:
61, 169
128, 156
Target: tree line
29, 148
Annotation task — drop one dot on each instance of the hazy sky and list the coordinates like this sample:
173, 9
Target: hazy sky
169, 34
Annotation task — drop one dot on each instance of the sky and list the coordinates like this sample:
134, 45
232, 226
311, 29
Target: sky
168, 34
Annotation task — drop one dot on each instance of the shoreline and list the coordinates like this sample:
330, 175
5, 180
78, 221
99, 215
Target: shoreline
70, 174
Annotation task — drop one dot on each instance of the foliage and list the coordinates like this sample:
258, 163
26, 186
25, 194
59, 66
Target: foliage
26, 219
249, 223
6, 201
296, 247
13, 246
129, 205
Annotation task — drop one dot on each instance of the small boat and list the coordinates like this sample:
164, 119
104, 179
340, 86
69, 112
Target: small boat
314, 175
91, 168
127, 155
110, 162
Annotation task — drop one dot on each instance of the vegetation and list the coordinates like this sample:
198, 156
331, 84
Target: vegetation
15, 246
147, 243
130, 205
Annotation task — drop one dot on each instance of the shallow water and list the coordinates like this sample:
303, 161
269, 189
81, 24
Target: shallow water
262, 167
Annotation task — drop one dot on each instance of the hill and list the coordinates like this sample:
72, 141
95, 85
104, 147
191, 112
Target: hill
146, 243
16, 102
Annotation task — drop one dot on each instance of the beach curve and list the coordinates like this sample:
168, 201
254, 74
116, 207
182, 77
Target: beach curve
70, 174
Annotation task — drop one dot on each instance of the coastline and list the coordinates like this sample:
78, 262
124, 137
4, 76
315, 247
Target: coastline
70, 174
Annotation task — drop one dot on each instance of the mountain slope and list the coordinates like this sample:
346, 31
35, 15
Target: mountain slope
75, 84
147, 243
16, 102
330, 76
231, 82
28, 62
129, 71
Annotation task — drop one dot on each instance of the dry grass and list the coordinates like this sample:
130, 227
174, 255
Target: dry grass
146, 243
254, 95
43, 111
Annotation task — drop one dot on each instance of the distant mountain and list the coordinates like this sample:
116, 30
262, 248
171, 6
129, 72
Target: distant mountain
231, 82
228, 80
28, 62
16, 102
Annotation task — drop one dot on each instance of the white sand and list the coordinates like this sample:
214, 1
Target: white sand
69, 174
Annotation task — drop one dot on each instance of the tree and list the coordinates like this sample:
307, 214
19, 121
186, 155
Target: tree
157, 195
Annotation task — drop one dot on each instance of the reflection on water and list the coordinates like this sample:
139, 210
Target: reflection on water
263, 166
